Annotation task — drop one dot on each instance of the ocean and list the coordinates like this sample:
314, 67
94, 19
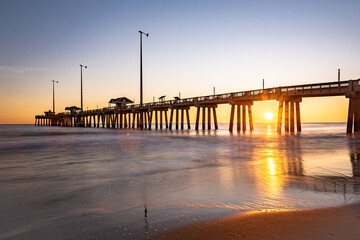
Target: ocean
98, 183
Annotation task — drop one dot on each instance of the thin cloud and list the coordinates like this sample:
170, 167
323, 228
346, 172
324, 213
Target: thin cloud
20, 70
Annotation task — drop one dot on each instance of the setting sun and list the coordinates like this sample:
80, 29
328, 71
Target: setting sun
269, 116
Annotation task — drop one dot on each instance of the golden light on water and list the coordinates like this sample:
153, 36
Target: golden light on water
271, 166
272, 174
269, 130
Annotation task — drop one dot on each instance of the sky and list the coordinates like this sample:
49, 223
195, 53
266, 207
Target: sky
192, 47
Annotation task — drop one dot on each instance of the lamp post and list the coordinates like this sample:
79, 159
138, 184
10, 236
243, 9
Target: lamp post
54, 94
141, 87
81, 67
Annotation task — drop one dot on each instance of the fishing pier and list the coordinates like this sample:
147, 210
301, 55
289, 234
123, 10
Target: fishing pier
174, 114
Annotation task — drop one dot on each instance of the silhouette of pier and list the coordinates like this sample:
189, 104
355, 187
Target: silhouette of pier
144, 116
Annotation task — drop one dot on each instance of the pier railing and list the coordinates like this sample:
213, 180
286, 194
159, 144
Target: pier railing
330, 88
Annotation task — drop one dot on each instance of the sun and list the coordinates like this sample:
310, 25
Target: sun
269, 116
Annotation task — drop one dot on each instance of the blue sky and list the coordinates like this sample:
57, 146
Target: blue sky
193, 46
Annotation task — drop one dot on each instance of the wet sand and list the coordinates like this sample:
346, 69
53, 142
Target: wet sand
327, 223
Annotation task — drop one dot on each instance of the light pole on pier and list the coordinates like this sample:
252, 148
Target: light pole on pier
54, 94
81, 67
141, 80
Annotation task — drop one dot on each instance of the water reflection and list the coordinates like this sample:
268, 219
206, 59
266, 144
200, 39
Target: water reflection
284, 165
279, 158
324, 180
272, 172
293, 156
355, 157
355, 161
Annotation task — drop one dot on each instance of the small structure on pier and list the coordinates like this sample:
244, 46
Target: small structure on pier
120, 102
72, 109
48, 113
162, 98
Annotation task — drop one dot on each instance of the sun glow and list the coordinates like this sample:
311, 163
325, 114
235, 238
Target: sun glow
269, 116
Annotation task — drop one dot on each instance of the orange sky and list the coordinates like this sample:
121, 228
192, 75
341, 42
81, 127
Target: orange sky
193, 46
322, 109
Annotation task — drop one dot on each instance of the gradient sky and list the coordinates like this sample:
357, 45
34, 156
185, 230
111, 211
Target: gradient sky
193, 46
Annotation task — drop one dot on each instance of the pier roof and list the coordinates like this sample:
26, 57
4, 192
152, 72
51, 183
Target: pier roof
72, 108
120, 100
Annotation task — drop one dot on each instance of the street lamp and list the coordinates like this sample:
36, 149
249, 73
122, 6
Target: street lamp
141, 87
54, 94
81, 67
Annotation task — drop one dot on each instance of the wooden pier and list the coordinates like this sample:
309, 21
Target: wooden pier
155, 114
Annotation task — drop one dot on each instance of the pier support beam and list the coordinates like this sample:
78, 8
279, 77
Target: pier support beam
353, 122
209, 118
166, 120
197, 118
156, 119
182, 119
292, 106
108, 120
121, 115
238, 118
138, 123
204, 119
171, 118
292, 116
298, 119
141, 120
161, 118
241, 115
150, 113
129, 123
177, 119
244, 118
133, 120
113, 120
89, 123
188, 118
145, 120
280, 115
231, 118
287, 116
103, 120
251, 123
179, 116
215, 119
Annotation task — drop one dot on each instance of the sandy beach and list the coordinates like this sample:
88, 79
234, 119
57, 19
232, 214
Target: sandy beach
327, 223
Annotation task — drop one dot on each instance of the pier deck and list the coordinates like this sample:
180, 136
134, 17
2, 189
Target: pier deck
142, 116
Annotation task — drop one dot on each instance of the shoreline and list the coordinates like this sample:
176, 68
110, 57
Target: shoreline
341, 222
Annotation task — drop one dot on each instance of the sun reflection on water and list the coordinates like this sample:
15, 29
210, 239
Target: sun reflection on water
269, 130
271, 170
271, 166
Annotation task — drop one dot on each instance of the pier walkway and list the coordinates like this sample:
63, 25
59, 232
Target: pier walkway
171, 114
